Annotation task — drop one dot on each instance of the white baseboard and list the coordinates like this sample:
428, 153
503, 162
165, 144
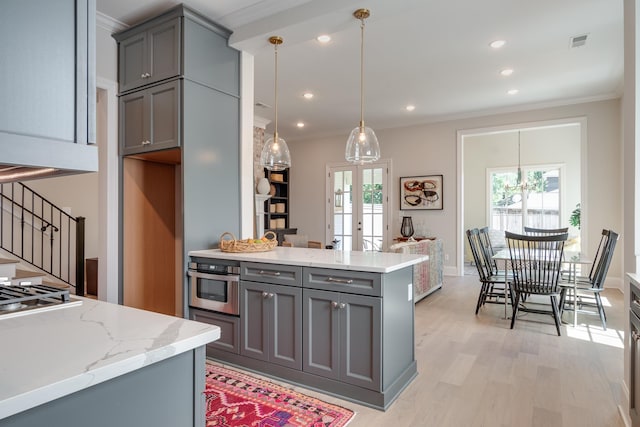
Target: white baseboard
450, 271
614, 283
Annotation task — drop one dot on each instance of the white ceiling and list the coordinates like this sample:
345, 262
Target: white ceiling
429, 53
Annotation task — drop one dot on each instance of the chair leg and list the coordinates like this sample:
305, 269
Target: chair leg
481, 297
556, 312
563, 296
603, 317
515, 309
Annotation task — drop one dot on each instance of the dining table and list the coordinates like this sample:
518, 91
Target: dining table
571, 259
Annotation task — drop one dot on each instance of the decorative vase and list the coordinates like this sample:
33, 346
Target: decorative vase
263, 186
407, 227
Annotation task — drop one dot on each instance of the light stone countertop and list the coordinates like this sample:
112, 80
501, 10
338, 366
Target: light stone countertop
375, 262
47, 355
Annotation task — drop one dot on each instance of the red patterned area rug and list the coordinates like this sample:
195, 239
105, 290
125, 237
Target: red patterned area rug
238, 400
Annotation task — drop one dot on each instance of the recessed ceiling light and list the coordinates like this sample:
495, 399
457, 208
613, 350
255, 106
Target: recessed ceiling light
324, 38
506, 72
497, 44
410, 107
300, 124
307, 95
512, 91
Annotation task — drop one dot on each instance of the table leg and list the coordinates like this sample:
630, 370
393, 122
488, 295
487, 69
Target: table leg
506, 289
575, 297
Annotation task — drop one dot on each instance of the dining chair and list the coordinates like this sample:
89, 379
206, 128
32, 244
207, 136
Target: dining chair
594, 282
535, 263
531, 231
493, 287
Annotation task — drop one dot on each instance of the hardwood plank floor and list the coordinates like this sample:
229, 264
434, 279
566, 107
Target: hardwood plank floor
475, 371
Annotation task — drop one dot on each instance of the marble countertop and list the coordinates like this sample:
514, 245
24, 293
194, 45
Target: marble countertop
376, 262
47, 355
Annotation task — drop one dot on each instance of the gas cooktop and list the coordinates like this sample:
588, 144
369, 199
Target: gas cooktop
19, 300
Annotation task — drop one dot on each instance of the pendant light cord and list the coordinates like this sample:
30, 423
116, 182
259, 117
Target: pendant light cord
275, 134
362, 74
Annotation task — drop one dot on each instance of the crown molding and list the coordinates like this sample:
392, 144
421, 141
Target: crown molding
260, 122
110, 24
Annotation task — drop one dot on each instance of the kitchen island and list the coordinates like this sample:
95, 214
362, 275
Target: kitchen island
102, 364
338, 322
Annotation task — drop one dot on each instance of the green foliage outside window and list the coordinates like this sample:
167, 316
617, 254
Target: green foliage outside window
372, 193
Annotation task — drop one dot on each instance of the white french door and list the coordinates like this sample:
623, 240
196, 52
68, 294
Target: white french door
357, 206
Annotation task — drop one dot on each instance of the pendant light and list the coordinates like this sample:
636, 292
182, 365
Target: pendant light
520, 186
275, 153
362, 145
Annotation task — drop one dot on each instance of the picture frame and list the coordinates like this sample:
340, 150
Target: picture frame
421, 192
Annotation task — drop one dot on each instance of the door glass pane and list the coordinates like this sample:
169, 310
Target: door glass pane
372, 209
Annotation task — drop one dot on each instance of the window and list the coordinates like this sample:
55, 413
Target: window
536, 202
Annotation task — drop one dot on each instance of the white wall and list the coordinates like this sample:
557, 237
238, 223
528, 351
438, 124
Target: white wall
80, 194
550, 145
431, 149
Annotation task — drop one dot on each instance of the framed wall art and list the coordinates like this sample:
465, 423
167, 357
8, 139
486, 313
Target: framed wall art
420, 192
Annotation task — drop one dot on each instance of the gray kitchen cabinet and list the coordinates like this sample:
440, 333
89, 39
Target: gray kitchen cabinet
150, 118
47, 107
150, 55
271, 319
180, 133
342, 337
229, 329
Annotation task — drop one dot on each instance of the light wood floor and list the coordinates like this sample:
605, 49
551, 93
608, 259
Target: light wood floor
475, 371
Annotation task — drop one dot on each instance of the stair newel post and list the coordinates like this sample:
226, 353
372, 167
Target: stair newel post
80, 255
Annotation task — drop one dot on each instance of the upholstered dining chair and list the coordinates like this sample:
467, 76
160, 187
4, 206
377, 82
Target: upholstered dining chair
535, 263
589, 287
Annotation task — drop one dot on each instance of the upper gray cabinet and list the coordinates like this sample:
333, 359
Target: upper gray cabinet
47, 89
178, 43
150, 118
150, 56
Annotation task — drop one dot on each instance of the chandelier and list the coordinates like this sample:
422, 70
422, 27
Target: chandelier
520, 185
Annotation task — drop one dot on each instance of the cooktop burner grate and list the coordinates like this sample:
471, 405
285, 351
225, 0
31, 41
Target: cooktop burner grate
17, 296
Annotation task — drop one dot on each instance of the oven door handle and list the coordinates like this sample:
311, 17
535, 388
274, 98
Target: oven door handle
223, 277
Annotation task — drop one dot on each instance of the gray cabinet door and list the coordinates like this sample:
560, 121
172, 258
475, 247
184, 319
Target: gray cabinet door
360, 340
229, 329
254, 320
150, 56
321, 319
342, 338
285, 326
164, 51
133, 63
271, 318
150, 119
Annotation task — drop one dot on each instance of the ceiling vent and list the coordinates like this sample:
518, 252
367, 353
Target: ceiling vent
262, 105
577, 41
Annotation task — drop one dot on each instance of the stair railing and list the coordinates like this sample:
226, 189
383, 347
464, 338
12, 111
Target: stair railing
42, 234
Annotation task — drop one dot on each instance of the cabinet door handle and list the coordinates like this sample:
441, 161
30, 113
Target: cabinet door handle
265, 294
146, 142
145, 75
343, 281
269, 273
635, 336
334, 304
342, 305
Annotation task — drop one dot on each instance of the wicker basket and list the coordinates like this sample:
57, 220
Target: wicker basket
268, 242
